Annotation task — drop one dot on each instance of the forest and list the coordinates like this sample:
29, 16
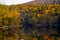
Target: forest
30, 22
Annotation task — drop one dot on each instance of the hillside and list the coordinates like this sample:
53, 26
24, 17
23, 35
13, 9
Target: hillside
44, 2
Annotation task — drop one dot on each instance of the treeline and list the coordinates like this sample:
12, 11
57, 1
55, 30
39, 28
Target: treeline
33, 13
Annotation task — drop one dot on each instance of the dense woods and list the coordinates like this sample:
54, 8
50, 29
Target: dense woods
29, 22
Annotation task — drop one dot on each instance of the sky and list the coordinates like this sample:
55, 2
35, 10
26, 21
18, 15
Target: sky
10, 2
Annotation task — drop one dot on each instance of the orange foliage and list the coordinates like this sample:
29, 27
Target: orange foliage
47, 12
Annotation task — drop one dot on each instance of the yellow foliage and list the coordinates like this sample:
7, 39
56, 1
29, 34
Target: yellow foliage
35, 8
47, 12
39, 15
